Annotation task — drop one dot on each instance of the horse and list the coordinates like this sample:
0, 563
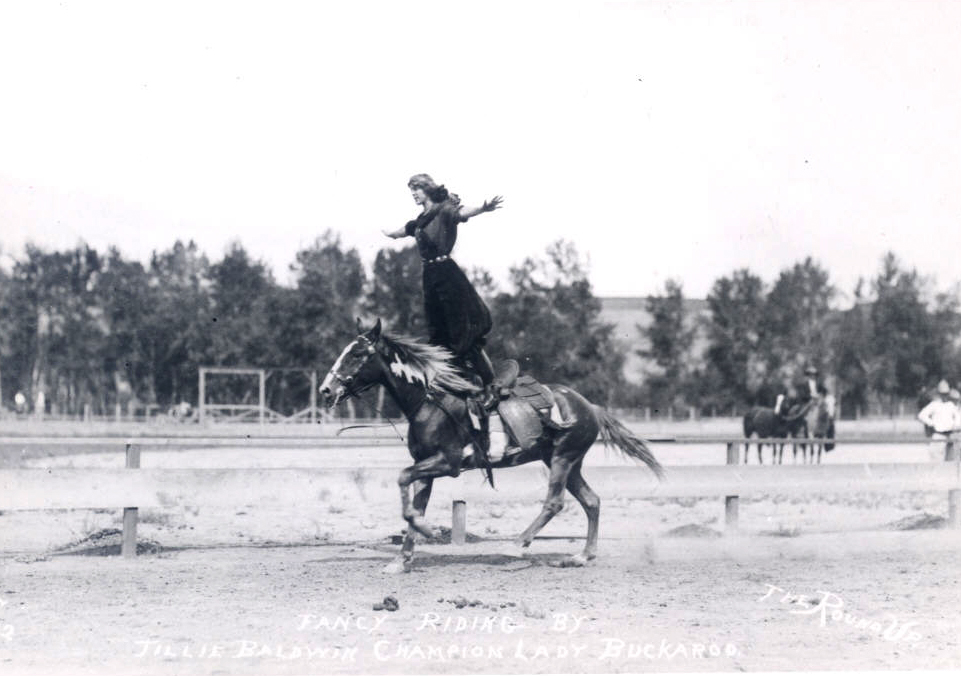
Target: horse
818, 425
768, 424
432, 393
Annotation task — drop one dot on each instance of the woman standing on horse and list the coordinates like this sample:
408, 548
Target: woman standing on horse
457, 317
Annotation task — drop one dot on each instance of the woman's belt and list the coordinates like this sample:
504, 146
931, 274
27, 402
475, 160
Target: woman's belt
439, 259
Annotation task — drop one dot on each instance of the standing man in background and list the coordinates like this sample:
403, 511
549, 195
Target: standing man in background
941, 415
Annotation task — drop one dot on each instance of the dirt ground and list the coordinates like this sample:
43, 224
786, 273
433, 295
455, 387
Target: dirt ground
879, 601
821, 583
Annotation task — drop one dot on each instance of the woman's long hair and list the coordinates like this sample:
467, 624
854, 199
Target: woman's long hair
436, 193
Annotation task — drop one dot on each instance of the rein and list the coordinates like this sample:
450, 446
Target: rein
381, 414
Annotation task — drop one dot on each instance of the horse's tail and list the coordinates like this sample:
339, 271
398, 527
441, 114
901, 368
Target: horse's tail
748, 424
829, 446
614, 433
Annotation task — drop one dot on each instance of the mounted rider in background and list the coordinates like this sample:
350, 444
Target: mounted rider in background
802, 393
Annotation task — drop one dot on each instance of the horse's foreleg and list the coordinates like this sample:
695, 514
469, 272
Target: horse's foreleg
760, 458
554, 503
592, 507
422, 490
425, 470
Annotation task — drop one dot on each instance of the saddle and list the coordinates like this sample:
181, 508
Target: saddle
524, 406
525, 411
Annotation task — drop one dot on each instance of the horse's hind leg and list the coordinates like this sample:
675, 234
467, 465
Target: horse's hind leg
554, 503
422, 489
592, 507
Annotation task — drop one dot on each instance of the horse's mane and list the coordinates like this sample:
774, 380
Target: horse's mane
431, 364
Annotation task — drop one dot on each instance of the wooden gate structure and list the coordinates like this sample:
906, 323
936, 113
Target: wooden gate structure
311, 414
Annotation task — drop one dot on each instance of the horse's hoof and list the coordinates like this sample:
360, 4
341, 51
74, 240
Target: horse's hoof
575, 561
514, 551
397, 566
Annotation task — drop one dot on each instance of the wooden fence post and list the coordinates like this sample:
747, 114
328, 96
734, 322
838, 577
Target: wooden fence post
128, 547
731, 501
202, 396
261, 398
458, 530
951, 454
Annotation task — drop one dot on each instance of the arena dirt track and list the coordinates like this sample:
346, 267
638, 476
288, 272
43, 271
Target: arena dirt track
656, 605
282, 588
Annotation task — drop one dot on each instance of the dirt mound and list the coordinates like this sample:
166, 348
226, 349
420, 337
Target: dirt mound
783, 532
692, 530
921, 521
105, 542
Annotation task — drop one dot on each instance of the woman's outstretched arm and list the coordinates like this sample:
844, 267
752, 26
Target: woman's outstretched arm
396, 234
489, 205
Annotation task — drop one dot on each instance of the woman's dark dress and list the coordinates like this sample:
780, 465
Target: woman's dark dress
457, 318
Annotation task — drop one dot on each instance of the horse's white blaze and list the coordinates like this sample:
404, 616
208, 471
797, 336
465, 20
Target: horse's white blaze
340, 360
329, 380
328, 384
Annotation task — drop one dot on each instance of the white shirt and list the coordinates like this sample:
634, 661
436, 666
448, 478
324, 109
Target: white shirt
941, 415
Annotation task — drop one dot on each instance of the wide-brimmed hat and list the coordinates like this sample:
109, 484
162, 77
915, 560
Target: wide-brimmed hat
943, 387
811, 371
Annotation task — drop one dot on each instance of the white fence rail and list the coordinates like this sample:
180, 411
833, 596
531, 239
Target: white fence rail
133, 487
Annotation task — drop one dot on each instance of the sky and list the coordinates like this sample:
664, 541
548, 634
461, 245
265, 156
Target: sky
666, 140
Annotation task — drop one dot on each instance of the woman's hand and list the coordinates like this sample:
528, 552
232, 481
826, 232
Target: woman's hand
493, 203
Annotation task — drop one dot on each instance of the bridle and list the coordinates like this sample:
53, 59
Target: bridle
346, 380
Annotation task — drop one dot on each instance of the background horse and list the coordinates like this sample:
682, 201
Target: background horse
432, 394
767, 424
818, 425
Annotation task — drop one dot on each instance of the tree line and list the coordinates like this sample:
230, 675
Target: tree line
896, 340
94, 330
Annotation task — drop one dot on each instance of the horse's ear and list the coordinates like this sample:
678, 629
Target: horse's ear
360, 328
375, 332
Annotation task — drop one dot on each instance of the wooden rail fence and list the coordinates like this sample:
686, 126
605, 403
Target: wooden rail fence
132, 487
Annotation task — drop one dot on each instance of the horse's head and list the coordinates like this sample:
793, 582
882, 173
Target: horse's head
355, 369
